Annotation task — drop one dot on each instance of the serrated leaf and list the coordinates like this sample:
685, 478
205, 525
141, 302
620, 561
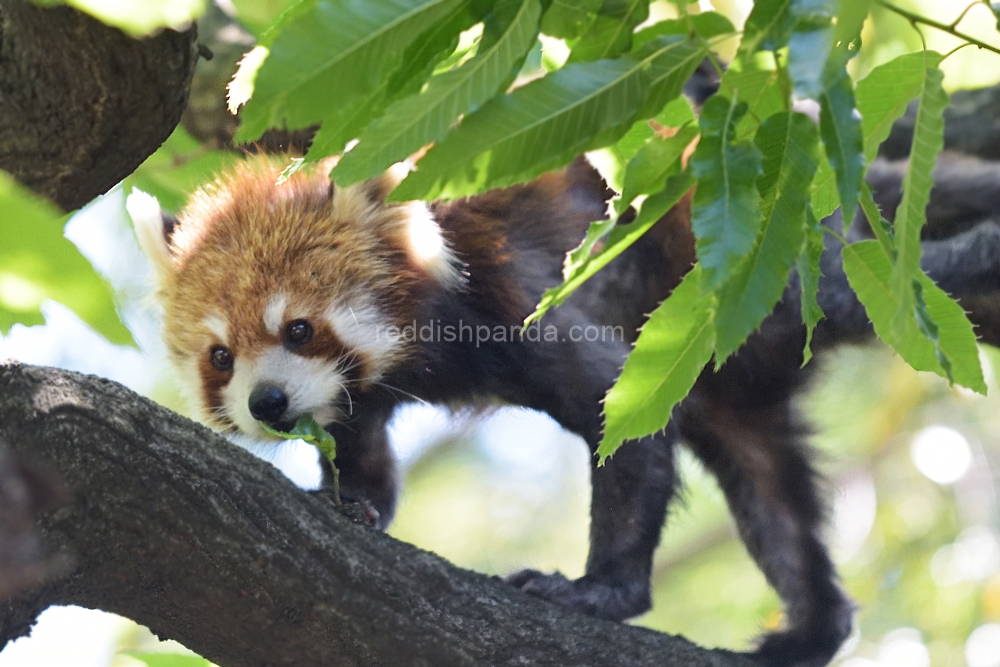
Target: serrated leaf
581, 264
725, 214
754, 79
421, 119
37, 263
884, 94
840, 129
610, 33
328, 52
548, 122
613, 161
928, 140
789, 144
879, 225
671, 352
648, 169
868, 269
308, 430
808, 267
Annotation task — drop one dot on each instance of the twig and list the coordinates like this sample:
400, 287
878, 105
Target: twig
950, 29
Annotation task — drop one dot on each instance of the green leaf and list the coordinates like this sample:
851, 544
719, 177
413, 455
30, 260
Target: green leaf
308, 430
548, 122
884, 94
768, 26
810, 44
325, 53
169, 660
612, 161
808, 268
138, 18
610, 33
928, 140
754, 79
569, 19
725, 214
648, 169
581, 264
37, 263
879, 225
673, 348
705, 25
840, 129
868, 269
178, 168
789, 143
421, 119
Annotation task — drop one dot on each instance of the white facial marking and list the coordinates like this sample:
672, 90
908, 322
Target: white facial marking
427, 246
274, 313
311, 385
360, 326
217, 326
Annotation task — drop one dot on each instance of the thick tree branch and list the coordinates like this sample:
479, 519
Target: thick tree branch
176, 528
82, 104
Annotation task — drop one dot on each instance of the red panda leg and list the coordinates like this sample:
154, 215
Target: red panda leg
761, 461
366, 465
630, 496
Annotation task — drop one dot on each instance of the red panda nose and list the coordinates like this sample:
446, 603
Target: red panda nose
267, 403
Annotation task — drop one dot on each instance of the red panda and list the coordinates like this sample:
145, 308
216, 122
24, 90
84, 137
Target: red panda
282, 300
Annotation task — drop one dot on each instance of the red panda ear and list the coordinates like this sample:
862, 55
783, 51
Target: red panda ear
153, 230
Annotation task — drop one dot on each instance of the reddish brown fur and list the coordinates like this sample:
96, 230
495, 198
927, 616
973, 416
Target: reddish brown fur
245, 239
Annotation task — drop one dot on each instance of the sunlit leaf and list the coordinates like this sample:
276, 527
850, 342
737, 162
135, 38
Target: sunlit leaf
326, 53
420, 119
610, 33
569, 19
169, 660
884, 94
37, 263
725, 212
868, 269
789, 144
673, 348
928, 140
706, 25
546, 123
755, 80
138, 18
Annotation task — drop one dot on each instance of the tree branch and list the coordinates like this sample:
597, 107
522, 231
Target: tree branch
174, 527
82, 104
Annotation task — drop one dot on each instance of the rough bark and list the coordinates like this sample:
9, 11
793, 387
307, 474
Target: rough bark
169, 524
77, 119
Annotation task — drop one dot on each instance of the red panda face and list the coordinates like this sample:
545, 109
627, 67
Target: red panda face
277, 298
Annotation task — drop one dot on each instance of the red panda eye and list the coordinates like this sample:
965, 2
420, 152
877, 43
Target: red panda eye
298, 332
221, 357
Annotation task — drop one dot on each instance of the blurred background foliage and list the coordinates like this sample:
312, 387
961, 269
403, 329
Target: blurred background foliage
912, 466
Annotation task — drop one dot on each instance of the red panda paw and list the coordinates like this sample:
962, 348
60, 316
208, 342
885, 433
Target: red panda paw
614, 602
